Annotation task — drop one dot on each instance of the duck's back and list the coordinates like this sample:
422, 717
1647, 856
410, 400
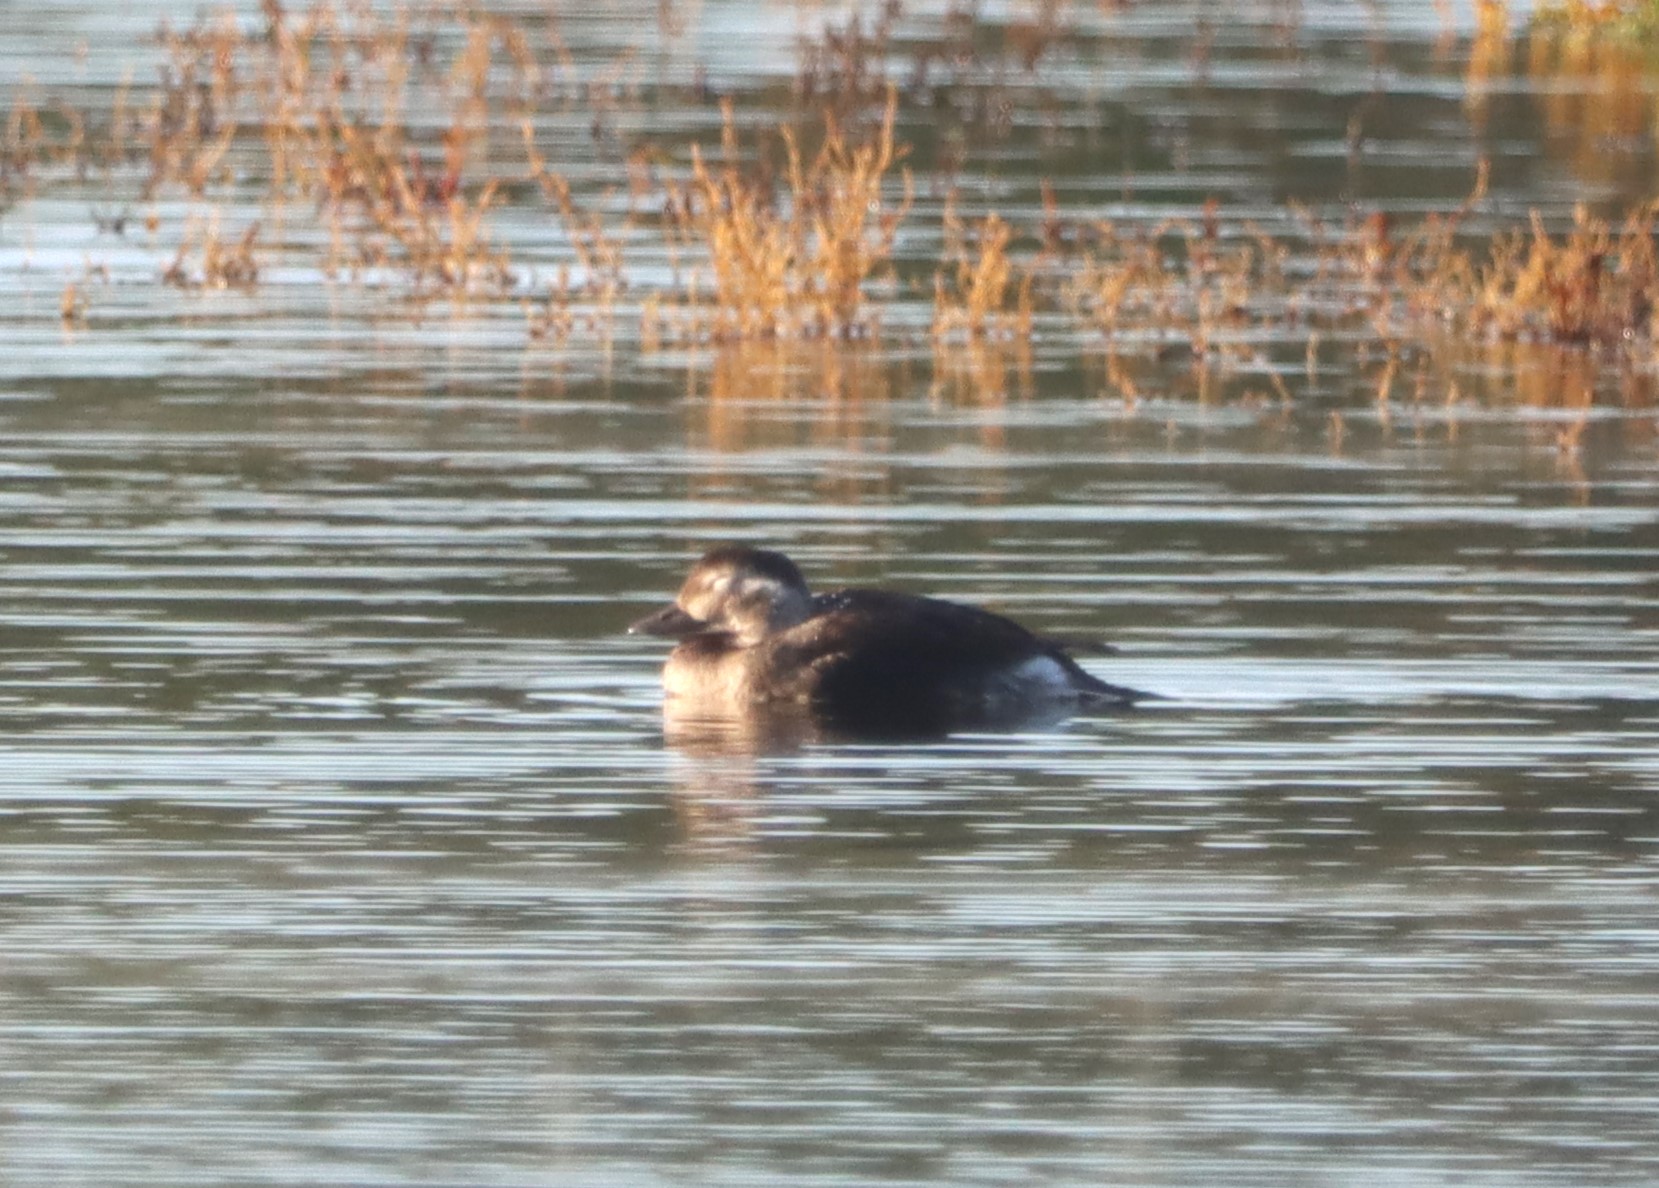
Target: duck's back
880, 660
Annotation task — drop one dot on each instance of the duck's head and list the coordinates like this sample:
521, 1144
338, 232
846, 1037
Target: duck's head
746, 593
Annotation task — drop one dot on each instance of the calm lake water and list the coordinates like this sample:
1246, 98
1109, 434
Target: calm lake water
342, 839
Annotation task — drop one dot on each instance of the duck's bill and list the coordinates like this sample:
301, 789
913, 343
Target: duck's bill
670, 621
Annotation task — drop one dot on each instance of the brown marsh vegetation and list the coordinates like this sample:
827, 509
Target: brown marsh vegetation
385, 149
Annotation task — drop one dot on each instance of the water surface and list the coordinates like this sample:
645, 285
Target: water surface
342, 841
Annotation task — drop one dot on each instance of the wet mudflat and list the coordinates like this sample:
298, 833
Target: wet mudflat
343, 840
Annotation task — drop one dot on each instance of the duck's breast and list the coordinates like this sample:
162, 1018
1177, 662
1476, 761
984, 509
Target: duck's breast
710, 667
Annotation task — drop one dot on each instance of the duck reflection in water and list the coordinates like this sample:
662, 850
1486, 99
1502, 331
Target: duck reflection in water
762, 653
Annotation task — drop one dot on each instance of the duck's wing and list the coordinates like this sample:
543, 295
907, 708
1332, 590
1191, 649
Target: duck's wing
912, 663
914, 632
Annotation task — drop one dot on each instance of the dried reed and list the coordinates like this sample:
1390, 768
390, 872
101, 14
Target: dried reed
773, 241
982, 293
791, 260
206, 260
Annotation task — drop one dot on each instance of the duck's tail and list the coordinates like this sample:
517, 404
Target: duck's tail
1080, 643
1101, 693
1095, 691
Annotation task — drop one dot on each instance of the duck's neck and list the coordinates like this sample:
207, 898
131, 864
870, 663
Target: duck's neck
790, 608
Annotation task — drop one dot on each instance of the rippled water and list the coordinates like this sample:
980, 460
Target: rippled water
341, 840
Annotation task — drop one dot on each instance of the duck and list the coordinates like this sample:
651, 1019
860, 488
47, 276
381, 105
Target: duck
751, 634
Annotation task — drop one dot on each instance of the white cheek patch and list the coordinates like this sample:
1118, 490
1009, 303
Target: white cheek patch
764, 588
